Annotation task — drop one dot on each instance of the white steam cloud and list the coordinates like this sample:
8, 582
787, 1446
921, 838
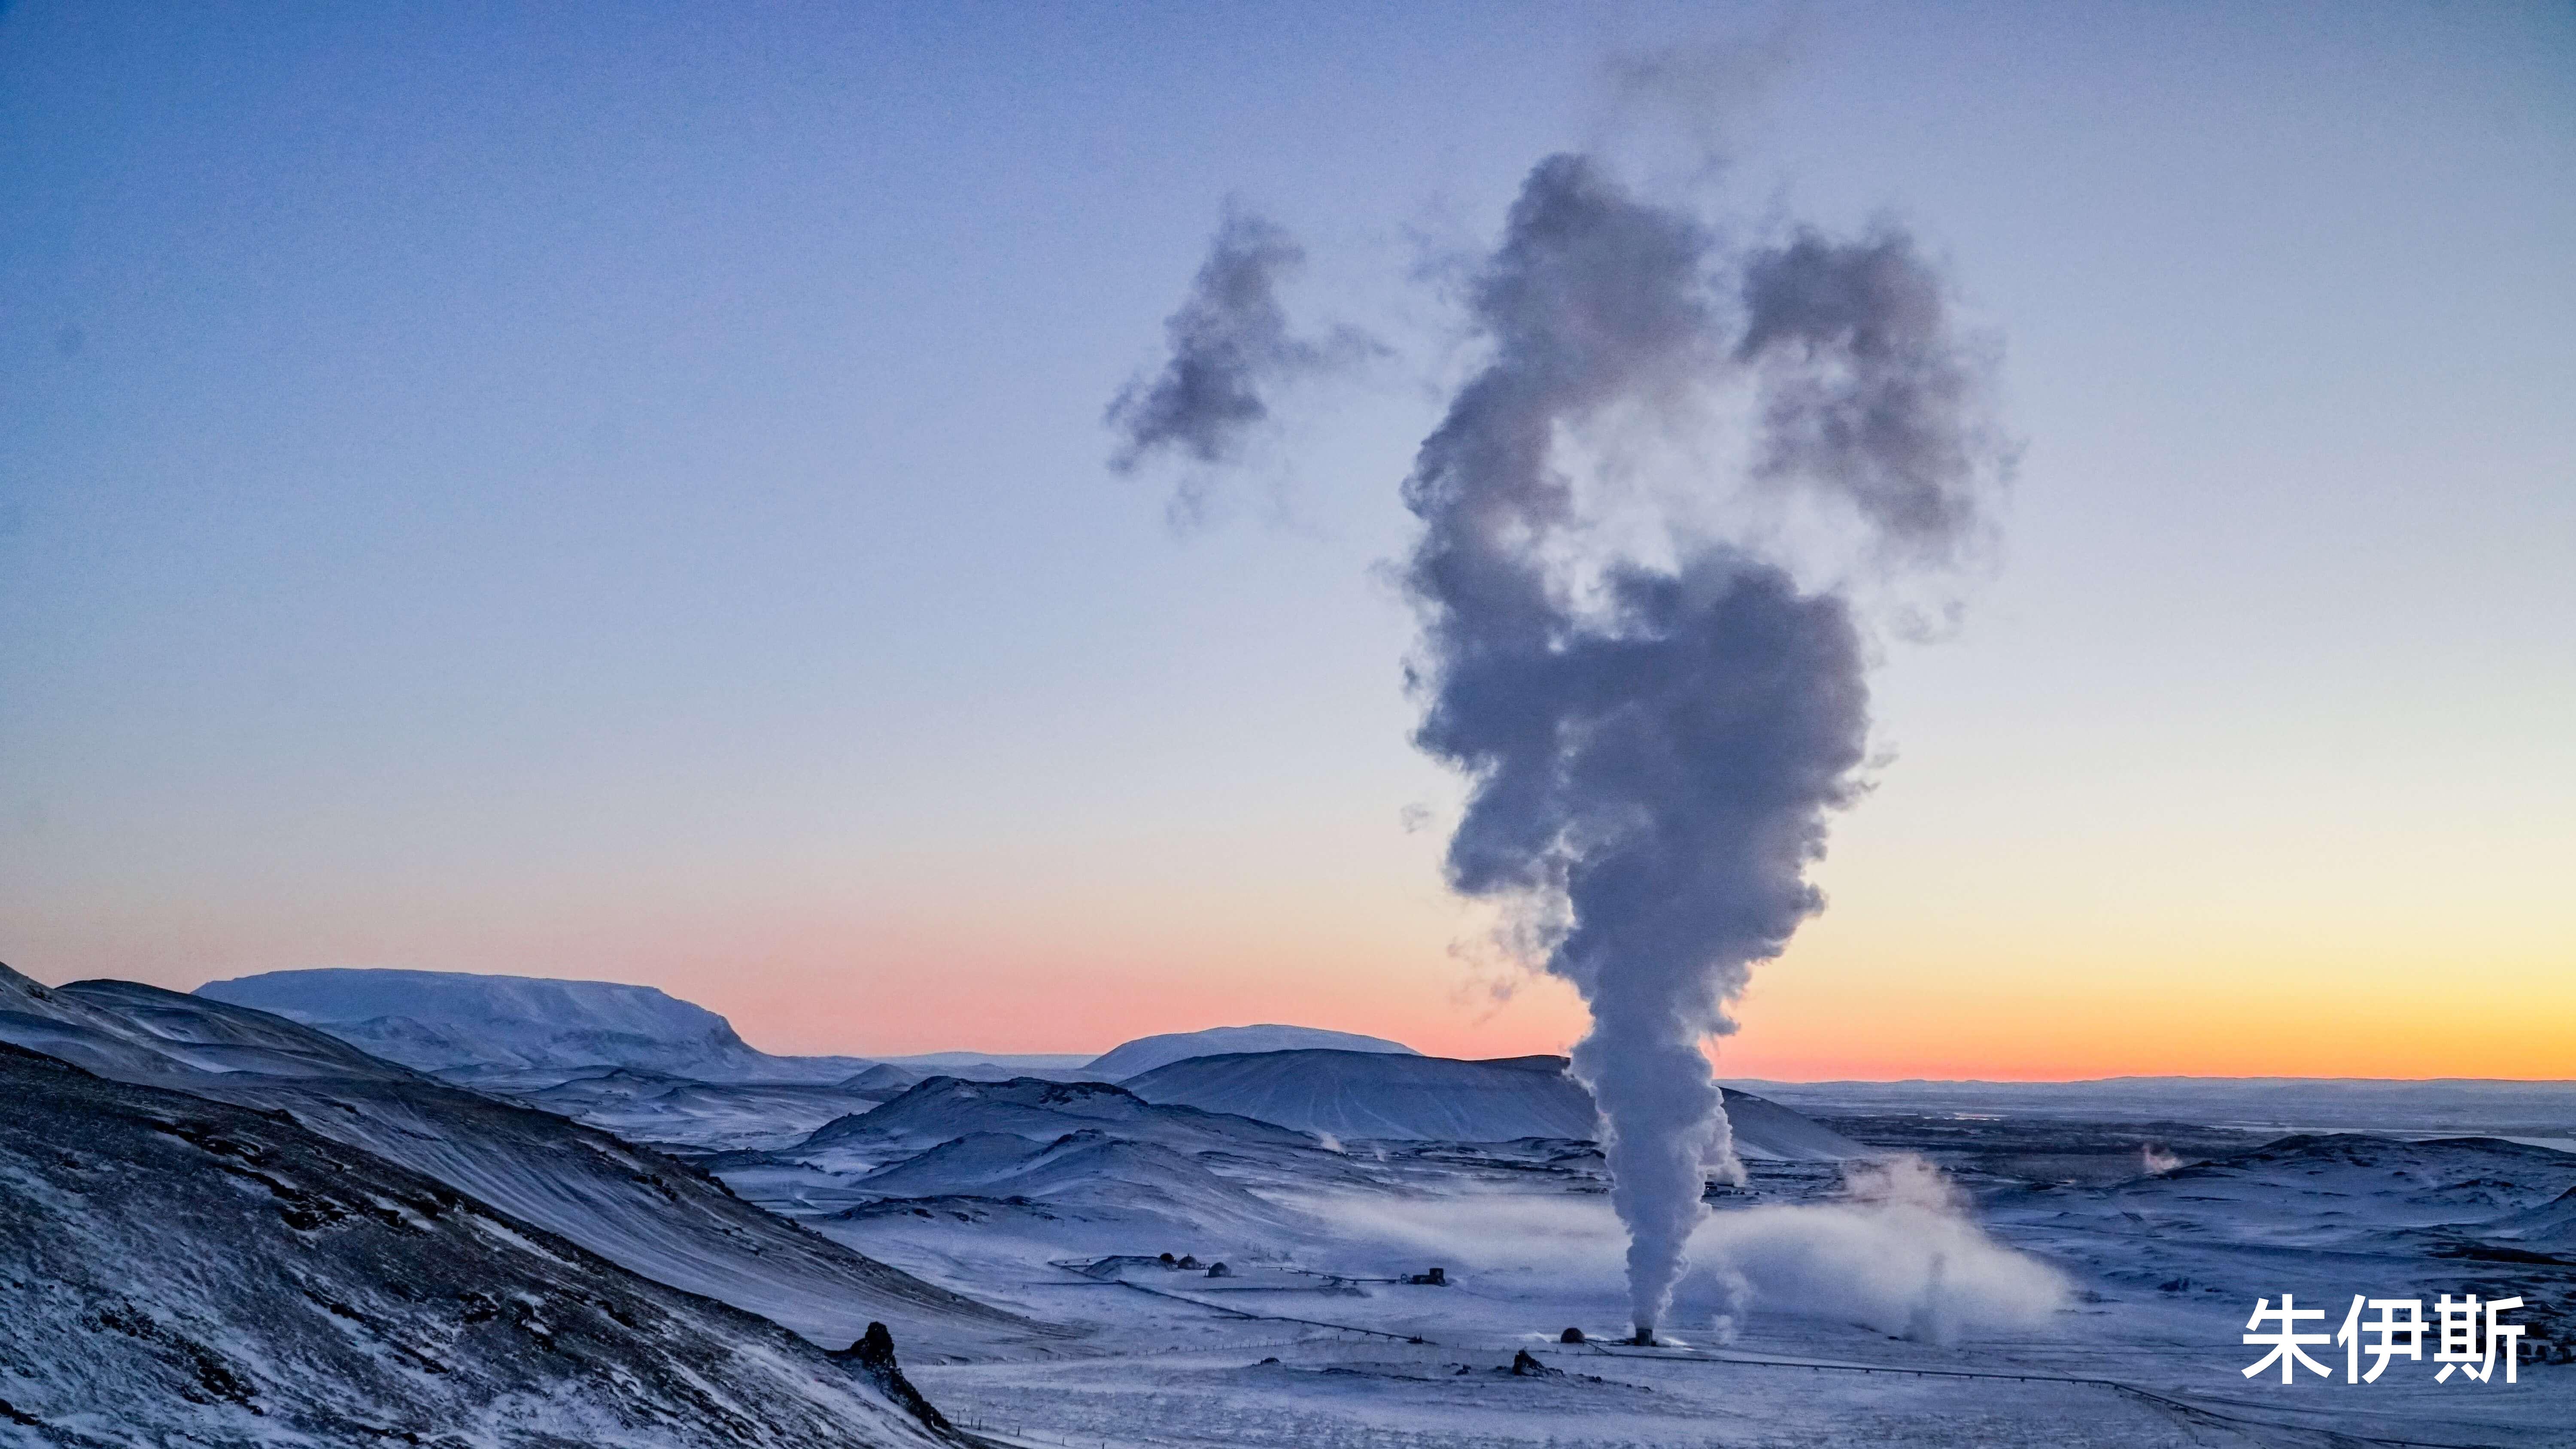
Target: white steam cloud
1654, 727
1898, 1253
1895, 1252
1653, 747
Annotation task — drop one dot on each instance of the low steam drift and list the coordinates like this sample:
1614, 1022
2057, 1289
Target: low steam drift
1895, 1251
1230, 348
1653, 747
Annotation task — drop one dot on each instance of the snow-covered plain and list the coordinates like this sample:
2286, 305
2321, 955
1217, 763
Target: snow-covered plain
2097, 1300
1894, 1271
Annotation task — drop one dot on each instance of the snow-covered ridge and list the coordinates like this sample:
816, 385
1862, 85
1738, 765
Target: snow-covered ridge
645, 1212
191, 1272
452, 1022
1084, 1164
1145, 1053
945, 1108
1360, 1095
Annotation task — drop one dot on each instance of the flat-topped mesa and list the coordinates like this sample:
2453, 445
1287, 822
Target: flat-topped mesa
465, 1024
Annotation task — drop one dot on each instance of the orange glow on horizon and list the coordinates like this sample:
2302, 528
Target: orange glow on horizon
1854, 999
1803, 1021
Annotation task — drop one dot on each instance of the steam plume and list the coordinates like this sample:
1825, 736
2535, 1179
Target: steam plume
1653, 748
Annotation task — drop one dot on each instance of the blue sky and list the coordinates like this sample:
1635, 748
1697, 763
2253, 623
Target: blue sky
623, 494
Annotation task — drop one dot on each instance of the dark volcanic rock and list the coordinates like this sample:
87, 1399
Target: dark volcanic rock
872, 1358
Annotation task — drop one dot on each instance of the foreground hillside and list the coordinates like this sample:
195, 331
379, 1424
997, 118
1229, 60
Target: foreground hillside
178, 1271
631, 1206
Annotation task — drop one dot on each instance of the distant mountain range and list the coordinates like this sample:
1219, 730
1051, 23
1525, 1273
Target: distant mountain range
651, 1067
528, 1033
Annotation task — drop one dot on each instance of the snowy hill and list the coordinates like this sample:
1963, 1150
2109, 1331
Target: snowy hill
1358, 1095
2552, 1225
1043, 1158
163, 1037
884, 1077
1089, 1173
1146, 1053
451, 1022
946, 1108
634, 1207
190, 1272
1363, 1094
1765, 1131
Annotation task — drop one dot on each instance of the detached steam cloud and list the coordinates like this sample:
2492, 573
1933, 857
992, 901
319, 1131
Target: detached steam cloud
1231, 347
1653, 747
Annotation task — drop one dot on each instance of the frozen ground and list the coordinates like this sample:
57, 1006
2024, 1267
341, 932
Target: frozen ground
2036, 1282
2122, 1362
1963, 1266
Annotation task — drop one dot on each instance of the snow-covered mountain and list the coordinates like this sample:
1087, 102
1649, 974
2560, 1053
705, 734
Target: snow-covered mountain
1367, 1094
1766, 1131
632, 1206
458, 1023
1090, 1172
1146, 1053
183, 1271
1358, 1095
1044, 1158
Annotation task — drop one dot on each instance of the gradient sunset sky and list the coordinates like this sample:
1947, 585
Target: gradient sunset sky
621, 493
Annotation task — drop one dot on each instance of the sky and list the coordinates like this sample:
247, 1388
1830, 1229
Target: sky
624, 495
